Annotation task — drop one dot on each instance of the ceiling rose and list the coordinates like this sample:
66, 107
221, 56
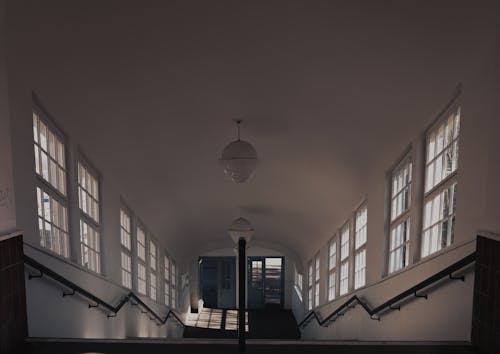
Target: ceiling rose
239, 159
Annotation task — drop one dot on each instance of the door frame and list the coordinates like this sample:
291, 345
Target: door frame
200, 277
249, 278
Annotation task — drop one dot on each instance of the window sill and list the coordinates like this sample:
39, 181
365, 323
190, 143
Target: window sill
71, 263
47, 252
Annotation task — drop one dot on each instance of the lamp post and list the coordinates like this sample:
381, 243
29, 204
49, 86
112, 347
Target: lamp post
241, 231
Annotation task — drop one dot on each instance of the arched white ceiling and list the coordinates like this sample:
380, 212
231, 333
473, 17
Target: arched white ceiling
330, 92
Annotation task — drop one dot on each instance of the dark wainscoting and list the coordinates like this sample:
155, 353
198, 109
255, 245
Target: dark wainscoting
486, 310
13, 323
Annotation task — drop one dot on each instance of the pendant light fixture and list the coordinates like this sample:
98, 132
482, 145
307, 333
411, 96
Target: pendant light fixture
239, 159
241, 228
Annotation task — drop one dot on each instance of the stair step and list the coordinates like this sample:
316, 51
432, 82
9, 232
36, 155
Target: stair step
188, 346
262, 324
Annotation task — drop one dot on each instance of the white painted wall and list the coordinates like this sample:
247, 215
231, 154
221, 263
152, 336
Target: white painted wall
447, 313
44, 298
50, 315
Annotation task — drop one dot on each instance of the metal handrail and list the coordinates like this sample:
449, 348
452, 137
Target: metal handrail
396, 300
112, 310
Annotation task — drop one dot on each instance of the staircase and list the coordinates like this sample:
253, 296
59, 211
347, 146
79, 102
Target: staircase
261, 324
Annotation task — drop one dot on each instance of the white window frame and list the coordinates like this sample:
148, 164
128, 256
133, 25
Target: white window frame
332, 269
360, 241
438, 194
126, 247
310, 282
141, 241
317, 278
53, 224
400, 216
298, 282
166, 279
173, 284
90, 240
345, 256
153, 267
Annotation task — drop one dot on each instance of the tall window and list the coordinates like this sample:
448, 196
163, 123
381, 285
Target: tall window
141, 261
344, 259
166, 276
441, 184
52, 201
298, 279
310, 283
332, 269
88, 198
173, 281
126, 241
316, 281
152, 270
360, 221
400, 216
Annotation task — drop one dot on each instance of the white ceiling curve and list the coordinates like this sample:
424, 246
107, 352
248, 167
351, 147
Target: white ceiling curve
330, 92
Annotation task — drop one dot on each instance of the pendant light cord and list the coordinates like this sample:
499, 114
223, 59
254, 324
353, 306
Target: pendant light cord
238, 122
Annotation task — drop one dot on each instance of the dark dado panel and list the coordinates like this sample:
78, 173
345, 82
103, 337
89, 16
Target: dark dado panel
486, 311
13, 324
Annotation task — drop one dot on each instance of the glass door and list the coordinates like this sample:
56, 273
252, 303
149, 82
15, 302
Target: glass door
265, 282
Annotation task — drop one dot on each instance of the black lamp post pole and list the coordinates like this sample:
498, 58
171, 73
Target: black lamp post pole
241, 294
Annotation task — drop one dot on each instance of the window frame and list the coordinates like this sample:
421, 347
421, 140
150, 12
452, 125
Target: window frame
344, 262
361, 248
85, 218
173, 284
141, 264
310, 287
298, 282
153, 271
445, 184
46, 186
332, 268
317, 278
166, 280
123, 248
406, 161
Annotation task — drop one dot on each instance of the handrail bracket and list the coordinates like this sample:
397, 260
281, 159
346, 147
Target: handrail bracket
421, 296
461, 277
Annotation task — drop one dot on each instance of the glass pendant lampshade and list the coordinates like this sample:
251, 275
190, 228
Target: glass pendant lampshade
239, 159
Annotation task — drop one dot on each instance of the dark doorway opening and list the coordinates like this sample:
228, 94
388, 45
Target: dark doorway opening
265, 282
218, 282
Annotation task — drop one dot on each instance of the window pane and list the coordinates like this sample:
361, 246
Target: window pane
442, 153
400, 196
344, 278
87, 196
53, 228
439, 221
89, 238
332, 257
360, 269
46, 145
331, 286
344, 246
360, 222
